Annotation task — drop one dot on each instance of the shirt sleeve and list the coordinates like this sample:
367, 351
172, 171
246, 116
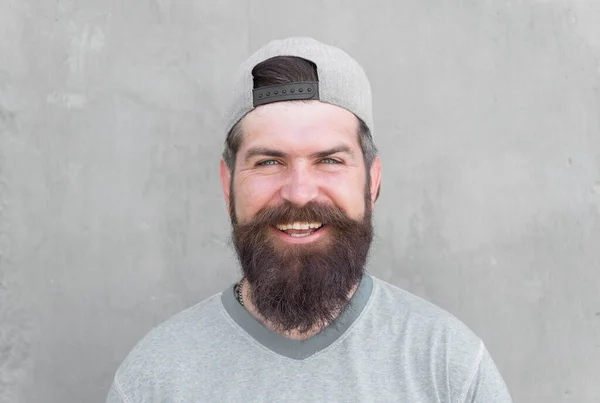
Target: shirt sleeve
115, 395
485, 385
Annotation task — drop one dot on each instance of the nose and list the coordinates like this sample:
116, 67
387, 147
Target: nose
300, 187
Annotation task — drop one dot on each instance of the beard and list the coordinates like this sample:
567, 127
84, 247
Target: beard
302, 286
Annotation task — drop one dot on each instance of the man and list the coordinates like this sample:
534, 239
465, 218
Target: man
307, 323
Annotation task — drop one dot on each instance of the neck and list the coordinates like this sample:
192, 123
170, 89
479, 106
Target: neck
292, 334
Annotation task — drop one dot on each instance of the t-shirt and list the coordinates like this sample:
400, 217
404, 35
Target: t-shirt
386, 346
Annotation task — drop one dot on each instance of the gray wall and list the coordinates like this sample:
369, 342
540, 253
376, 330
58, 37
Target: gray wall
111, 212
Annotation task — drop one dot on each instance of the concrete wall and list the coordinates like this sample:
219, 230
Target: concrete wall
111, 213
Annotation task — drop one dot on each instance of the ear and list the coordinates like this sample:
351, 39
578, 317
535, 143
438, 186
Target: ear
375, 180
225, 181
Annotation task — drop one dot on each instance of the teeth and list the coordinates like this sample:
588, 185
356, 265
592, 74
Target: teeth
299, 225
299, 235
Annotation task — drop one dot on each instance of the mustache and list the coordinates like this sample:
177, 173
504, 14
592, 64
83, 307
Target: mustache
310, 212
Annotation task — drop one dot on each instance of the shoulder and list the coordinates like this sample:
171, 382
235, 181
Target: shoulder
429, 340
183, 327
392, 300
427, 327
165, 351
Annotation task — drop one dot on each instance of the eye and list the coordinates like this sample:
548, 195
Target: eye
266, 163
330, 161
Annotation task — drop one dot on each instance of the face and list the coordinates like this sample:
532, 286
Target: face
300, 202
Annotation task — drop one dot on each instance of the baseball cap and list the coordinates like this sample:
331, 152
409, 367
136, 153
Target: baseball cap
342, 81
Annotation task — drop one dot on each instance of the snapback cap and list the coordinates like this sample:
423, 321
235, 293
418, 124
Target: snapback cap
342, 81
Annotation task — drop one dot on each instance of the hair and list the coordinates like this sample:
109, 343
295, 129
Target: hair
284, 70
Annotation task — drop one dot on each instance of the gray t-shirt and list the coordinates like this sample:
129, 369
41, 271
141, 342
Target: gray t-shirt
387, 346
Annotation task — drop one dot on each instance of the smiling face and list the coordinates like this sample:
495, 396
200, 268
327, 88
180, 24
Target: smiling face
300, 202
299, 152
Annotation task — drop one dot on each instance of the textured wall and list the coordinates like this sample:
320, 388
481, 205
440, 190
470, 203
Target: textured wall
111, 214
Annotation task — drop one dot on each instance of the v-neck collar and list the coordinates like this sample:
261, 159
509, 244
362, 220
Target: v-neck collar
298, 349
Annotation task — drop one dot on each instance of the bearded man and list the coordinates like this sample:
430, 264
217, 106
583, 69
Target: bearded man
306, 323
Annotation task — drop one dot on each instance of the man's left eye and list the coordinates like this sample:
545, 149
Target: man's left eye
330, 161
267, 163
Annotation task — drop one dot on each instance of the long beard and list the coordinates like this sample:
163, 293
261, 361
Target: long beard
302, 286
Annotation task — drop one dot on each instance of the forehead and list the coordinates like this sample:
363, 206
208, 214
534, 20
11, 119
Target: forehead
300, 126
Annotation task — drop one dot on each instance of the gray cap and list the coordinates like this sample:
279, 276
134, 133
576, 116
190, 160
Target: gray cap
342, 81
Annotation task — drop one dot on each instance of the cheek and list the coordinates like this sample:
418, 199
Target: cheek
254, 193
347, 192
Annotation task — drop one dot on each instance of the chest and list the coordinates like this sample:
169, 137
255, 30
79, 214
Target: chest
347, 376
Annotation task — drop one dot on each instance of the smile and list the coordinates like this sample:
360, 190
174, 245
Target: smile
300, 232
300, 229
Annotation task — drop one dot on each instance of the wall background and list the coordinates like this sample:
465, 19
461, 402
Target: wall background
111, 213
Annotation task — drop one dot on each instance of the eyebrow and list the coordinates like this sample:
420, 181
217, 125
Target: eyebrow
270, 152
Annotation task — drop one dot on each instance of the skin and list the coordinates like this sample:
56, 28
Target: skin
300, 152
